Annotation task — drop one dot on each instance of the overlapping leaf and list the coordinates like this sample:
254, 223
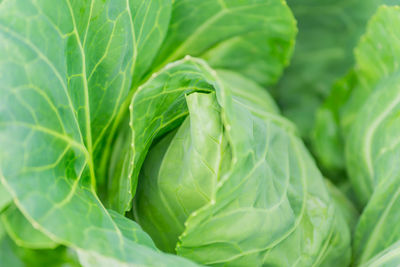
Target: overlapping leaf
250, 209
65, 71
369, 120
253, 37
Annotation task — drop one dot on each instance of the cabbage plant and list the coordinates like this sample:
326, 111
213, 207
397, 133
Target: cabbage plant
229, 162
142, 133
368, 126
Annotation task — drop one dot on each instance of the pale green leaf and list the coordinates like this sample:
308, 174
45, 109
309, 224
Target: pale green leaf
200, 146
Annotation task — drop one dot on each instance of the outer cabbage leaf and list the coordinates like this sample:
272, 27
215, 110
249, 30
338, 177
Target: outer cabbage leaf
369, 120
65, 71
240, 189
328, 32
375, 58
373, 152
253, 37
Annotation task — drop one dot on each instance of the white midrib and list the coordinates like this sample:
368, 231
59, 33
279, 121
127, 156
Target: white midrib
386, 257
87, 115
86, 92
370, 134
118, 115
